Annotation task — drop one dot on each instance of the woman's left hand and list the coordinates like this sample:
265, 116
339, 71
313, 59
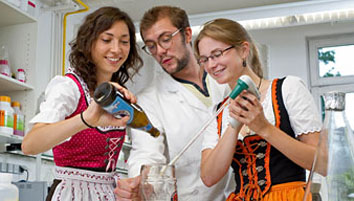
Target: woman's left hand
127, 94
94, 115
247, 109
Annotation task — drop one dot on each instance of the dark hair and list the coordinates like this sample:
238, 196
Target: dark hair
95, 23
232, 33
177, 16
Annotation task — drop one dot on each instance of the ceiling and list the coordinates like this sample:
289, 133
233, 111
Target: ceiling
136, 8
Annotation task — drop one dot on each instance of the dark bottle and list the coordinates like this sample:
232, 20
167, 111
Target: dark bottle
114, 102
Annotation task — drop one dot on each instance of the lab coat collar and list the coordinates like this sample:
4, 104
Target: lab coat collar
172, 86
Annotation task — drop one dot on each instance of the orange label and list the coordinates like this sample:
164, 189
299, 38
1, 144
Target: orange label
15, 121
2, 118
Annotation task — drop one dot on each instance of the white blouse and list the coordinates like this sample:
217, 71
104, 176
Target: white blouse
62, 96
299, 103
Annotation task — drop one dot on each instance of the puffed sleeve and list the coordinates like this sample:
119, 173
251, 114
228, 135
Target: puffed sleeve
61, 99
301, 107
210, 136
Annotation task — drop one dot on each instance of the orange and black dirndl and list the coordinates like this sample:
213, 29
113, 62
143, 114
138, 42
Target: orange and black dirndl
261, 171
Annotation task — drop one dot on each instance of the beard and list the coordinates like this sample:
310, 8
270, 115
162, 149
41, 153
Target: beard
181, 63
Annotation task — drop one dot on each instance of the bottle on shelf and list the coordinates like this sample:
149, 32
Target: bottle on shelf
114, 102
332, 174
6, 115
20, 75
8, 191
19, 119
4, 61
31, 8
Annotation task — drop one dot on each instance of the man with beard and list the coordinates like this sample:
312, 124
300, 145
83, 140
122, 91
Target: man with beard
178, 103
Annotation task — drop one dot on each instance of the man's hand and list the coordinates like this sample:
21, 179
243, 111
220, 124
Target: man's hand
128, 189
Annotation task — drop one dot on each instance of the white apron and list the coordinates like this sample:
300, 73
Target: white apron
84, 185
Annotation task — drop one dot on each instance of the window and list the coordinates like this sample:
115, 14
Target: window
332, 68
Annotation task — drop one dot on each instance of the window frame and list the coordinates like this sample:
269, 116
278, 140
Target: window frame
321, 85
327, 41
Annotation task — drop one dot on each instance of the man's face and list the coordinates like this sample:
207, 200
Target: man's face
174, 58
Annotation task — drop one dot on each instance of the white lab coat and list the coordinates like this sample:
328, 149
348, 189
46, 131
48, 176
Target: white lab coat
179, 114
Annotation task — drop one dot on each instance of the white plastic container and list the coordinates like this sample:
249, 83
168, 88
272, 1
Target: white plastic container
8, 191
19, 119
4, 61
6, 115
4, 67
20, 75
31, 8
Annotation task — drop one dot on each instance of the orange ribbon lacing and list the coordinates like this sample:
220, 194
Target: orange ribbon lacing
251, 191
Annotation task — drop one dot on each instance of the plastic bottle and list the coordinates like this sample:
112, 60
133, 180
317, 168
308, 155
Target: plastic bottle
19, 119
4, 61
114, 102
8, 191
31, 7
6, 115
332, 174
20, 75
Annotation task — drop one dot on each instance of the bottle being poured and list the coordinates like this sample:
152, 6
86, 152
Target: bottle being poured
243, 83
112, 101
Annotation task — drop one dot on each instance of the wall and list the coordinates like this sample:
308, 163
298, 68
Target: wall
287, 47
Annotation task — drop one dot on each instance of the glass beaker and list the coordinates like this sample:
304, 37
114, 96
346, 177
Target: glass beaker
332, 174
158, 182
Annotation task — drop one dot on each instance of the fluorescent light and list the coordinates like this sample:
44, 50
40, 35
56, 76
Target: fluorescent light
294, 20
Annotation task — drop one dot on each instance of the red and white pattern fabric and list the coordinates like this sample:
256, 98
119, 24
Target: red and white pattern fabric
77, 184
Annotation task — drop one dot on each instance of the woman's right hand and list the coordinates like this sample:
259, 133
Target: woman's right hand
247, 109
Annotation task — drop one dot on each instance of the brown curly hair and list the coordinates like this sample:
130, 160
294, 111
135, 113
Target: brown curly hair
80, 56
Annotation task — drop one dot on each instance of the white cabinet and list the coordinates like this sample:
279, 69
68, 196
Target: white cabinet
18, 32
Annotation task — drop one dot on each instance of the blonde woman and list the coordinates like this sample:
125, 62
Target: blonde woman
276, 140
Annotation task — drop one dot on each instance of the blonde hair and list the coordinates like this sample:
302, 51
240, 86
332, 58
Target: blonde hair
232, 33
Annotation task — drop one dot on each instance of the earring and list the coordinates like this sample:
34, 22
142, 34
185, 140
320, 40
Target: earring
244, 64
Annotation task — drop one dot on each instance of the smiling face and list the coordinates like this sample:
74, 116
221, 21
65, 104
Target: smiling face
176, 57
111, 49
225, 69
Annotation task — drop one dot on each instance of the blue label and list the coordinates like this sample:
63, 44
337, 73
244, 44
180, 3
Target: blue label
120, 108
146, 128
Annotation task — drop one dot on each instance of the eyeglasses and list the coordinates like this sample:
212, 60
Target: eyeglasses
164, 40
215, 54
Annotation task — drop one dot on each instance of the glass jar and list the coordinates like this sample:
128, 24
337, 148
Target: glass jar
332, 174
158, 182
